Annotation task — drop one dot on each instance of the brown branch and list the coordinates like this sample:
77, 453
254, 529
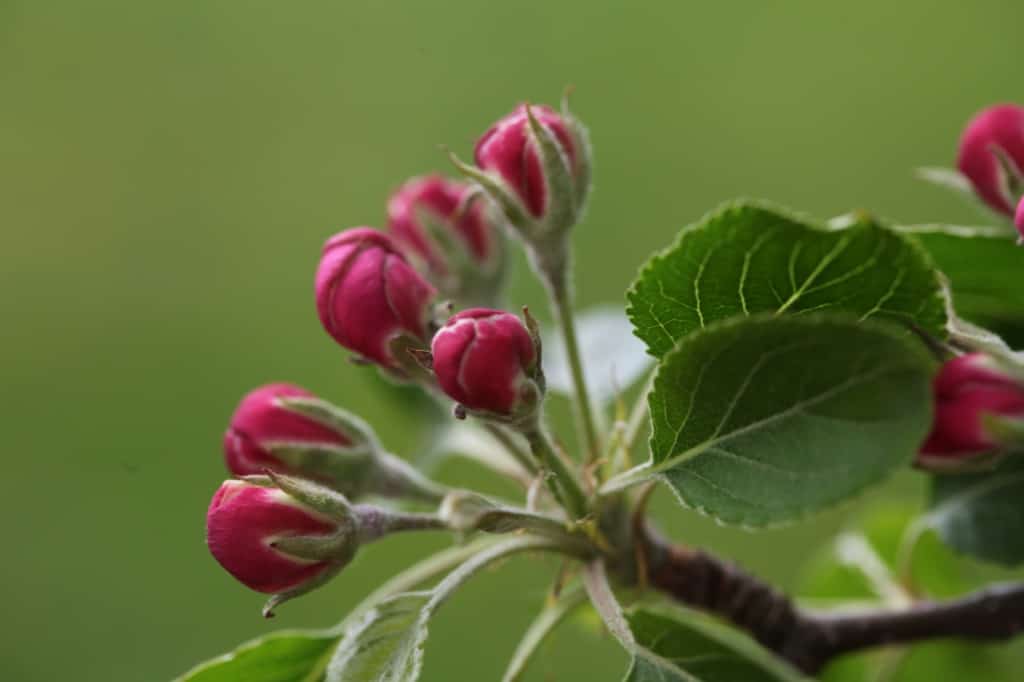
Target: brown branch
808, 639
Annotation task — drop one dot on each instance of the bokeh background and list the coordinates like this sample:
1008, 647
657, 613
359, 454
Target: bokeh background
168, 172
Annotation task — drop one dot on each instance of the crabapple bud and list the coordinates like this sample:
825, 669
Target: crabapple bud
453, 232
489, 362
535, 164
288, 430
976, 405
370, 300
992, 155
1018, 219
274, 543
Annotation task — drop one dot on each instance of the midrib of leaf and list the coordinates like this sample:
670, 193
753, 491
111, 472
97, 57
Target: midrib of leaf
833, 253
767, 421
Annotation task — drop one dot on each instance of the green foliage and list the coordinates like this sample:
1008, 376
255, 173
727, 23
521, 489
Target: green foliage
984, 268
763, 420
887, 557
684, 646
387, 646
749, 258
285, 656
981, 514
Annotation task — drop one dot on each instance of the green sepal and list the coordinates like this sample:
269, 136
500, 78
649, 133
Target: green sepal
321, 498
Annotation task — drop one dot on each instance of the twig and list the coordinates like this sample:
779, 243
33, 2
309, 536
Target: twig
808, 639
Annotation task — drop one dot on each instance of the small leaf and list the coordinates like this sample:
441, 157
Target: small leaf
687, 647
982, 515
286, 656
983, 265
386, 643
748, 258
613, 358
764, 420
545, 623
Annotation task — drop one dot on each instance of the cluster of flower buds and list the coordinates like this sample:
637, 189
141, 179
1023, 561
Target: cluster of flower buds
453, 235
535, 164
285, 536
287, 526
991, 156
489, 362
979, 413
286, 429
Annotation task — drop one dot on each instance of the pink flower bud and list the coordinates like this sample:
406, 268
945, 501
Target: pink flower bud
368, 296
508, 151
1019, 218
965, 390
993, 139
246, 526
487, 360
260, 422
438, 199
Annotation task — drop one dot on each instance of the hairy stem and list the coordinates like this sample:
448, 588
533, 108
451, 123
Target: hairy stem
807, 639
519, 454
583, 406
565, 486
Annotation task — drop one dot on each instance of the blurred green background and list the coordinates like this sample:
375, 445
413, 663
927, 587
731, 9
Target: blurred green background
168, 172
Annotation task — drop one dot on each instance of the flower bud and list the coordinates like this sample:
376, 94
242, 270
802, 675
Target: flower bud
286, 429
1018, 220
992, 155
489, 362
274, 543
370, 300
535, 164
977, 405
286, 536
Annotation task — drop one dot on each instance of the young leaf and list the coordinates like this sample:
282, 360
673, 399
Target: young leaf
285, 656
293, 654
667, 648
613, 358
748, 258
686, 646
545, 623
386, 644
983, 265
764, 420
982, 514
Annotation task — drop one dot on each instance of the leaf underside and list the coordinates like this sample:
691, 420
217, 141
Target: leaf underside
286, 656
674, 649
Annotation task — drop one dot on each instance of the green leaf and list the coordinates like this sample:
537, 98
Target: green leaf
386, 643
749, 258
541, 628
883, 557
764, 420
291, 654
679, 645
983, 265
685, 646
286, 656
613, 358
982, 515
